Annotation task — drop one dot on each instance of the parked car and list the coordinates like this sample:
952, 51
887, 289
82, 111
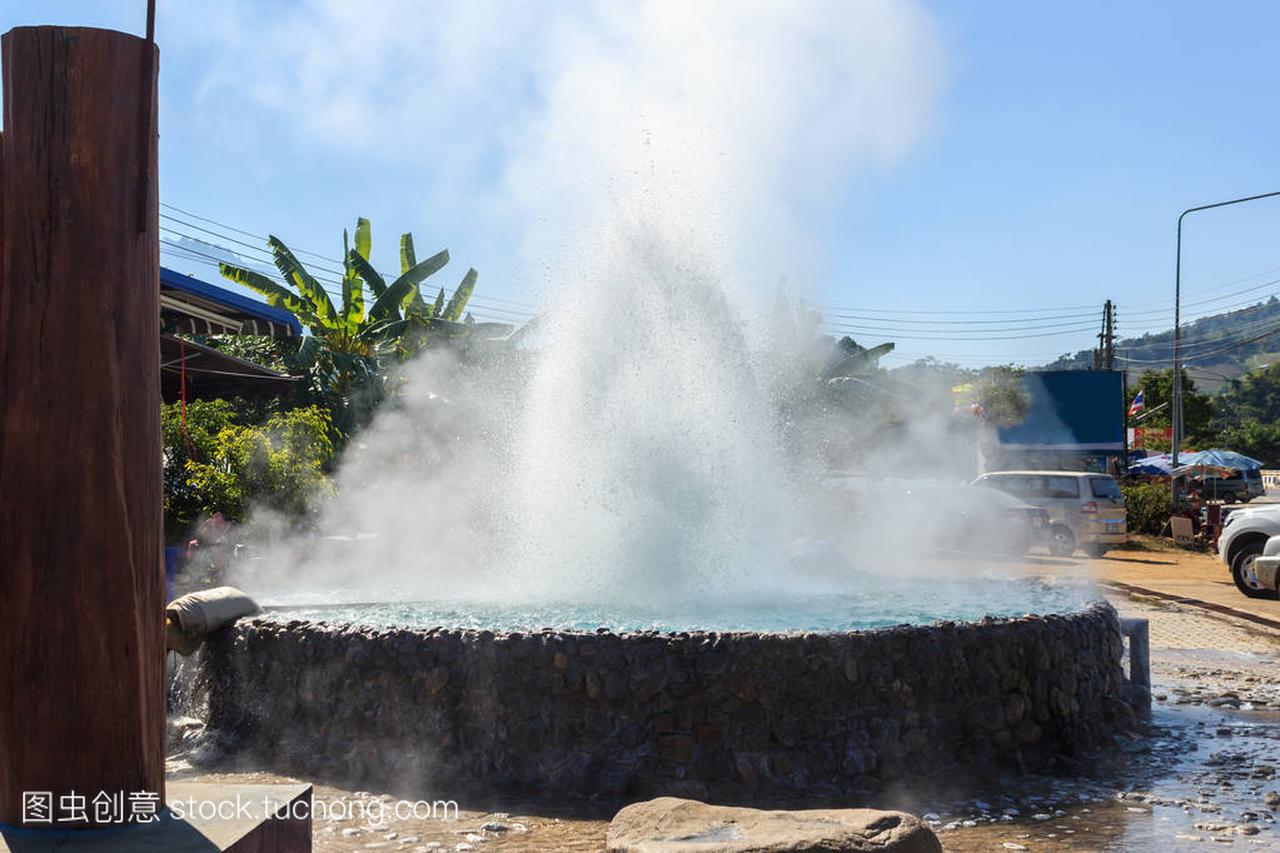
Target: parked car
960, 518
1243, 541
1263, 576
1241, 487
1086, 510
935, 516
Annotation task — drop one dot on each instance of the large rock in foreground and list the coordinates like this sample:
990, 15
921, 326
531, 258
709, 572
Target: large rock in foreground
669, 824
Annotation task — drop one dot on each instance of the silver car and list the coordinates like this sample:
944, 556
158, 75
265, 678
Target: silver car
1086, 510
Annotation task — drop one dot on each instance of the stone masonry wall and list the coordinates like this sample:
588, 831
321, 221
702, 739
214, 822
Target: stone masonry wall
728, 717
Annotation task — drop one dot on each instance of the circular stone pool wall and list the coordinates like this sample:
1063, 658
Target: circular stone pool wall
727, 717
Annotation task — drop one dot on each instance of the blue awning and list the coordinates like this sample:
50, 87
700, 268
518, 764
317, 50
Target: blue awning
196, 307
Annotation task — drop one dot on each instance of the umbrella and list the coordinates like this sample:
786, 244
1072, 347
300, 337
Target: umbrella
1161, 466
1200, 469
1223, 459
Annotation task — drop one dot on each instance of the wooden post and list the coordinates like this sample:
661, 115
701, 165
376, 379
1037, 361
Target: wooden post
81, 537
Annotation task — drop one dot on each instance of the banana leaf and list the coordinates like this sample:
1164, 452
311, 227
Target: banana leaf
413, 305
384, 329
387, 305
458, 302
366, 271
352, 286
408, 259
293, 270
364, 238
305, 357
277, 295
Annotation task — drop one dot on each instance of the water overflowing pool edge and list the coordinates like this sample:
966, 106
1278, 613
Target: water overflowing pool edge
731, 717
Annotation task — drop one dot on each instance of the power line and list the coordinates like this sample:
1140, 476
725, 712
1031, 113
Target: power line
1208, 337
334, 288
892, 326
263, 239
1209, 354
972, 340
1075, 318
1133, 309
186, 253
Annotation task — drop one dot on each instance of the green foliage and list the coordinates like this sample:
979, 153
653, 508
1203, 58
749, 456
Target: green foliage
183, 503
345, 357
1247, 415
1255, 438
1255, 395
1197, 408
229, 466
1002, 395
1148, 506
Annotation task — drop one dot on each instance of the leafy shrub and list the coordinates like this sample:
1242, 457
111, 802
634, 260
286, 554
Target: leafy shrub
183, 503
230, 467
1148, 506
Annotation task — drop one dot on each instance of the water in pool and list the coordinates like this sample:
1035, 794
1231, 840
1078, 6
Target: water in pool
958, 599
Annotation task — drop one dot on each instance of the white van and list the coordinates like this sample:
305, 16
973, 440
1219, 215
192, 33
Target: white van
1085, 510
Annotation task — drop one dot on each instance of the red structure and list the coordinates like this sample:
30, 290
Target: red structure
81, 574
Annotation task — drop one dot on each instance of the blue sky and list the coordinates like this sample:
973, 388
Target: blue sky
1001, 157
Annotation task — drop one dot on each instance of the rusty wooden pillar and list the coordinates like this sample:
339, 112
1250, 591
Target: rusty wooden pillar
81, 538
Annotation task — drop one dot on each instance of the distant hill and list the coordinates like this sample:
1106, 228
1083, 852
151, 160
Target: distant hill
1216, 348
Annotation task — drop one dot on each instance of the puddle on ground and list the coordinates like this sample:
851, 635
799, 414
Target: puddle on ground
1204, 775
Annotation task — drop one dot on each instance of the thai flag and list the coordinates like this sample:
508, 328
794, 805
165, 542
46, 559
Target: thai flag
1137, 405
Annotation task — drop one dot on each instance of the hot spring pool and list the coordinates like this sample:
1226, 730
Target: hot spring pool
915, 601
801, 694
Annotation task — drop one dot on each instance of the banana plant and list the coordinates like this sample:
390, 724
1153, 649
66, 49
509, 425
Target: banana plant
363, 324
344, 349
422, 321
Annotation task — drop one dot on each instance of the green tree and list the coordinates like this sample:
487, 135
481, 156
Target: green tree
205, 419
219, 464
1255, 395
1255, 438
279, 464
1248, 415
1003, 395
1197, 408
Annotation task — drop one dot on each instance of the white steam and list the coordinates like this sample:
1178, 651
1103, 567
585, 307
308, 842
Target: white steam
674, 160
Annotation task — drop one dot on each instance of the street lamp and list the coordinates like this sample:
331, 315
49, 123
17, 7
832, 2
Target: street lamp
1177, 320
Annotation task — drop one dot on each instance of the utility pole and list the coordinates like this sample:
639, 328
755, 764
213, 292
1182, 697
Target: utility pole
1104, 357
1176, 395
1109, 336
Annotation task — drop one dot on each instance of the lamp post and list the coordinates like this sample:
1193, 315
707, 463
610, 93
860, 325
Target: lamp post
1176, 396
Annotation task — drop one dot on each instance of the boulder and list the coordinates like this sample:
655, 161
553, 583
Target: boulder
669, 824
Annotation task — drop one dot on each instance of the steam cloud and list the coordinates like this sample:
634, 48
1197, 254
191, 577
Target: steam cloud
676, 156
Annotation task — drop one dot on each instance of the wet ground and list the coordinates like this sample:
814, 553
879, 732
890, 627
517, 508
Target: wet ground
1206, 774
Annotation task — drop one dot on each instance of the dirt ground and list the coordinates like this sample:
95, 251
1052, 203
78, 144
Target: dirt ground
1202, 776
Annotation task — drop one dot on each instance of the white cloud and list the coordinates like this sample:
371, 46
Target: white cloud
758, 112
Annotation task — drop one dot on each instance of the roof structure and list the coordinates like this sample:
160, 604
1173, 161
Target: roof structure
210, 374
192, 371
194, 307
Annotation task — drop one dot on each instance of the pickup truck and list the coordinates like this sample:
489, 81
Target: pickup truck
1242, 544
